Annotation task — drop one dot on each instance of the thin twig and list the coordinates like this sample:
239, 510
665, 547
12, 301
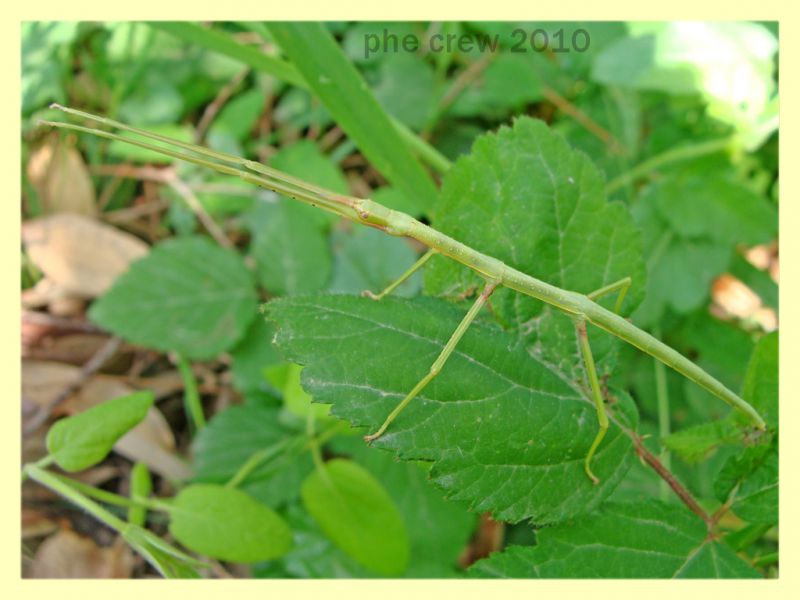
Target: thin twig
170, 177
216, 105
93, 365
209, 223
583, 119
676, 485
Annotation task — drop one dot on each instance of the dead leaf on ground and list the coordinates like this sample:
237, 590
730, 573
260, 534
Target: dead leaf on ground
61, 178
80, 256
67, 555
36, 523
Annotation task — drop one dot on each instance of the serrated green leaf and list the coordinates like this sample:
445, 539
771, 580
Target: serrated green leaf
228, 524
505, 431
235, 435
297, 401
526, 198
641, 540
290, 250
355, 511
83, 440
187, 295
368, 259
755, 472
696, 443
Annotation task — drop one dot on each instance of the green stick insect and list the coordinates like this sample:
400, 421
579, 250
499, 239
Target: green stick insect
582, 308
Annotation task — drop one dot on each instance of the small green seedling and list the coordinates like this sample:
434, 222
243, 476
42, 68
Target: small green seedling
582, 308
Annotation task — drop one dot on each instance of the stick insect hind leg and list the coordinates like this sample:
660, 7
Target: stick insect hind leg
436, 367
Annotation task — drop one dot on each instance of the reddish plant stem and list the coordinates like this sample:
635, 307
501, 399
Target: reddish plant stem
676, 485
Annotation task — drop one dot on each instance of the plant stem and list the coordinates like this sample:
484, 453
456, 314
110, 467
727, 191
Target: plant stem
256, 459
662, 397
191, 396
667, 476
55, 483
670, 156
104, 495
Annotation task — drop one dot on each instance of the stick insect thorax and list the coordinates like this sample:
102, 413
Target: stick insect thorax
396, 223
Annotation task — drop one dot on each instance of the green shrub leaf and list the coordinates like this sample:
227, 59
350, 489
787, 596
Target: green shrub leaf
187, 295
526, 198
641, 540
83, 440
355, 511
506, 432
228, 524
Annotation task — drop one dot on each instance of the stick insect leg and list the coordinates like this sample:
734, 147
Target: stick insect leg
594, 384
436, 367
411, 270
622, 286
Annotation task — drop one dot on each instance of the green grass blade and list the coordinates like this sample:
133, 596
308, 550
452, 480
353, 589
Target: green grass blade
223, 44
376, 143
316, 55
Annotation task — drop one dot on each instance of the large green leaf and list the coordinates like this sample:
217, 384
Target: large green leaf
505, 431
355, 511
187, 295
83, 440
754, 476
228, 524
525, 197
644, 540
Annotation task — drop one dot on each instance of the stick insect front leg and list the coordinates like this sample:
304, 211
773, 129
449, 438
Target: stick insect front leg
395, 284
436, 367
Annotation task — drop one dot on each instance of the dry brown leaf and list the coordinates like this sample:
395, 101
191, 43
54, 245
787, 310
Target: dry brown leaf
72, 348
61, 179
79, 255
67, 555
35, 523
